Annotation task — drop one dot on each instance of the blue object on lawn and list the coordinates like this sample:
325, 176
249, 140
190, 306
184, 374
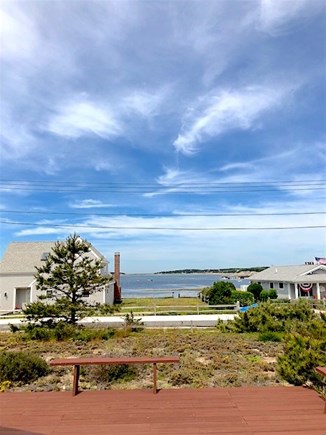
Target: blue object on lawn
244, 309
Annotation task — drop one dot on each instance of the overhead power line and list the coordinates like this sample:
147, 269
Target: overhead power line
177, 188
45, 213
163, 228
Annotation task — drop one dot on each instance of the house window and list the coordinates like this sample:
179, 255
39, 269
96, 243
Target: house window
280, 285
271, 285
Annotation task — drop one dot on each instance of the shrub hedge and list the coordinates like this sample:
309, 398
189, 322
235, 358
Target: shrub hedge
21, 367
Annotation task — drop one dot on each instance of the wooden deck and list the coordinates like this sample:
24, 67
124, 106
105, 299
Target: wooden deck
274, 410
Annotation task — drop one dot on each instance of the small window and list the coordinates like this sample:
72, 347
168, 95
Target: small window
45, 256
271, 285
280, 285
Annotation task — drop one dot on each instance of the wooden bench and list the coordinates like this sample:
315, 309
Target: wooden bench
77, 362
322, 371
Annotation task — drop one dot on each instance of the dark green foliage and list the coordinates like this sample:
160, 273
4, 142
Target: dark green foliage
255, 289
21, 367
245, 298
132, 323
274, 317
114, 373
62, 331
220, 293
67, 277
267, 294
270, 336
304, 350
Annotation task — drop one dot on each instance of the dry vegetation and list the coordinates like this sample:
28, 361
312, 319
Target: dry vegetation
208, 359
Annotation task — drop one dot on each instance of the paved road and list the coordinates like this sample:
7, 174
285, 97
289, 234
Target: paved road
200, 320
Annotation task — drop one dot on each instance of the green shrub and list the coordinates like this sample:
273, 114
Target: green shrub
88, 334
304, 350
255, 289
37, 332
273, 294
132, 323
270, 336
267, 294
274, 317
245, 298
21, 367
114, 373
220, 293
62, 331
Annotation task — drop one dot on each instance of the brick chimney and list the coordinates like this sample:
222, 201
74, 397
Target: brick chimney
117, 287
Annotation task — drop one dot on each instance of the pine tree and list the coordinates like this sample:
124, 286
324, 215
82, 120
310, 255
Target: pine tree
68, 276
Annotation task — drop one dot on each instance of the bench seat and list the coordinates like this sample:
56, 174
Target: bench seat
77, 362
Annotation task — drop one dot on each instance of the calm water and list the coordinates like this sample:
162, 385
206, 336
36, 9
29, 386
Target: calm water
150, 285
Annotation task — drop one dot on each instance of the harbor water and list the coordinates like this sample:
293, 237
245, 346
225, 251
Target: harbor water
170, 285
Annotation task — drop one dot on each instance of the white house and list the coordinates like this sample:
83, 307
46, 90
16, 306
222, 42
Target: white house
293, 282
17, 270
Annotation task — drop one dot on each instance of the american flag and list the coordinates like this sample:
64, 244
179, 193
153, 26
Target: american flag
320, 260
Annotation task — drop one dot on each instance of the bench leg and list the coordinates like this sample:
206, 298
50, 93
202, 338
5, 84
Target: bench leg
154, 378
75, 381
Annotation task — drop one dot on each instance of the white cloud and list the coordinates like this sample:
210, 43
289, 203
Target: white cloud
144, 103
84, 118
226, 110
19, 37
277, 17
90, 203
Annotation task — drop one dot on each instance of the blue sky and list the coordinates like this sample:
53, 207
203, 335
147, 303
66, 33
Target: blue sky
166, 130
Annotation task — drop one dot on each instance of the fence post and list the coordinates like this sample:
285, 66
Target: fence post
238, 306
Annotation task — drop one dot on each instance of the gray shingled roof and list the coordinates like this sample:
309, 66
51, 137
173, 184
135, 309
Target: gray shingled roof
22, 257
291, 274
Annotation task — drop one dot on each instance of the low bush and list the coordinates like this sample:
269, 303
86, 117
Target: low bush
114, 373
245, 298
270, 336
273, 317
255, 288
64, 331
132, 323
304, 350
21, 367
265, 295
220, 293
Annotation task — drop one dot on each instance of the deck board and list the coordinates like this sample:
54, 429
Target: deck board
255, 411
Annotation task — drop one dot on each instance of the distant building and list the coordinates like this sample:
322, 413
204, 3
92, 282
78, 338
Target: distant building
293, 282
17, 270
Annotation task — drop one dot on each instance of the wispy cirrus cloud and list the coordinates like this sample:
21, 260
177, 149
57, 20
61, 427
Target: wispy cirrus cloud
225, 110
279, 17
90, 203
83, 118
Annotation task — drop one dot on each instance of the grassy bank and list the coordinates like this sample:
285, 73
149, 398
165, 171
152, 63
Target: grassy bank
208, 359
164, 302
148, 306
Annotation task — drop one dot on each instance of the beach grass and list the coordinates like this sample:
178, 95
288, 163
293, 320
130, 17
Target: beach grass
164, 302
208, 357
165, 306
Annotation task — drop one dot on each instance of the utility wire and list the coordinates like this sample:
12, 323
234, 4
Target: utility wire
171, 190
116, 184
163, 228
305, 213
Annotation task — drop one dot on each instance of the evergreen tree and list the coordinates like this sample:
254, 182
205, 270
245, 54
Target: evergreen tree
255, 288
68, 276
221, 292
